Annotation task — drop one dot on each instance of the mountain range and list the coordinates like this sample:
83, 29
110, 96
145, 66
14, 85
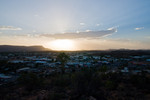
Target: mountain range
10, 48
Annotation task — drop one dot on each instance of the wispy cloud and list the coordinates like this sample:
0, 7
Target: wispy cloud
33, 31
139, 28
97, 24
87, 34
7, 28
36, 15
148, 37
82, 24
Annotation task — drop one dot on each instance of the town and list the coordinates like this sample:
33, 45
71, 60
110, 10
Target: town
46, 64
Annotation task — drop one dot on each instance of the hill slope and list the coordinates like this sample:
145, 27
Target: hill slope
10, 48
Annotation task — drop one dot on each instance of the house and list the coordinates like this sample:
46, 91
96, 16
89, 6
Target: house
148, 60
5, 78
136, 72
16, 61
40, 62
125, 70
25, 69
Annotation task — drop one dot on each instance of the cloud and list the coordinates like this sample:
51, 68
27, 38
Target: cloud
33, 31
7, 28
139, 28
36, 15
87, 34
148, 37
82, 24
97, 24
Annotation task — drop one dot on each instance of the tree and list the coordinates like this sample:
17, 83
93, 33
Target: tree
103, 68
63, 58
30, 80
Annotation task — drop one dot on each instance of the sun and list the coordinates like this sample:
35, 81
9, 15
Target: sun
62, 44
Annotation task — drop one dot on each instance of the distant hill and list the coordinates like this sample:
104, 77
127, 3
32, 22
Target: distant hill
10, 48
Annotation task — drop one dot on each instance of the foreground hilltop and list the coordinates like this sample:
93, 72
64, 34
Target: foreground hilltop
10, 48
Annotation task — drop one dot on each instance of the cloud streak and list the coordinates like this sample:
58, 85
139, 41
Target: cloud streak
139, 28
82, 24
87, 34
8, 28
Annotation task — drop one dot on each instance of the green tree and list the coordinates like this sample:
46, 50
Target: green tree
110, 84
103, 68
63, 58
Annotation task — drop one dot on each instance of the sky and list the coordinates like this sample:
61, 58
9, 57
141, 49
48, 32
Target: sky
76, 24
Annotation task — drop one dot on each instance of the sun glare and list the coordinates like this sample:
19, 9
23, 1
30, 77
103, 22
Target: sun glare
64, 44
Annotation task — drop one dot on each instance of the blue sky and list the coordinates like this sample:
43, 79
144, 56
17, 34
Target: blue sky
34, 20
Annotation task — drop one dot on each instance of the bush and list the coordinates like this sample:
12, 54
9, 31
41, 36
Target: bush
56, 96
85, 82
110, 85
30, 80
140, 81
61, 80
